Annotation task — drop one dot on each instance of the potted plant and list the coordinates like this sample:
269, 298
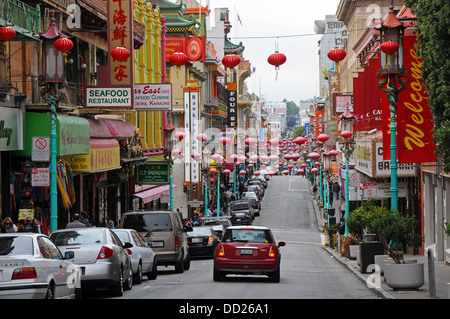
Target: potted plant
350, 246
396, 232
331, 230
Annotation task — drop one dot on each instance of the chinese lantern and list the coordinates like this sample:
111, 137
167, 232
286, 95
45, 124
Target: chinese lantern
285, 172
178, 59
231, 60
120, 54
201, 137
323, 137
7, 33
63, 44
180, 135
346, 134
276, 59
242, 172
337, 55
389, 47
213, 171
226, 171
257, 173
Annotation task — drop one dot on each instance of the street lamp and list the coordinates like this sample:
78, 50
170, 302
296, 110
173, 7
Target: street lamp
347, 147
53, 77
392, 82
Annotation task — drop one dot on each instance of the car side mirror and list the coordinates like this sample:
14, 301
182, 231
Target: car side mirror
69, 255
127, 245
281, 244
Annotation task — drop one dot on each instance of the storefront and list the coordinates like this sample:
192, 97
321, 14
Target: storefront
30, 178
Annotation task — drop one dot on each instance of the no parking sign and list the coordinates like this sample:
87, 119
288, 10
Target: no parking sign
41, 149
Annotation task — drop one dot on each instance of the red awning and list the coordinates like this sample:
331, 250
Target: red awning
118, 128
154, 193
98, 129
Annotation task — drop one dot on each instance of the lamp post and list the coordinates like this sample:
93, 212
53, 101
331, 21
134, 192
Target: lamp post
392, 82
53, 78
347, 147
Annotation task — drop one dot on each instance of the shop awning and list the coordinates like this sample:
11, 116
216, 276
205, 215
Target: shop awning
119, 129
154, 193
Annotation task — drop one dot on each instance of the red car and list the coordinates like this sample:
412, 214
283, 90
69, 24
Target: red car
247, 250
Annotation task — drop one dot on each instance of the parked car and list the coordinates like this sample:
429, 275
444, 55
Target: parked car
255, 203
143, 258
101, 255
241, 212
255, 189
32, 267
165, 234
248, 250
202, 241
249, 194
259, 182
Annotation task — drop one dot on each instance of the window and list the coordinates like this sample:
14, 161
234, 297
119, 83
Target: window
248, 236
13, 246
78, 237
148, 222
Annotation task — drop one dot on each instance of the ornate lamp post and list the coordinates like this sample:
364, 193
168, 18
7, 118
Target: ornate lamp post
53, 77
347, 147
392, 82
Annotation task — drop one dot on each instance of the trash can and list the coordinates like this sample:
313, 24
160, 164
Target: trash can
367, 252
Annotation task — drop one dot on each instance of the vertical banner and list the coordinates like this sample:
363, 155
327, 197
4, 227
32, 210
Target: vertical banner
415, 125
231, 104
187, 138
120, 34
193, 133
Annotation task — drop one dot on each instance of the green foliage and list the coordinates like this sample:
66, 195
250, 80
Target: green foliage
433, 33
299, 131
359, 219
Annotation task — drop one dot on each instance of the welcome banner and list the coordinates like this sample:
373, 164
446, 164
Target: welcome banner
414, 120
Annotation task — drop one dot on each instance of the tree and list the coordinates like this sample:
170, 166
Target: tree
432, 28
292, 113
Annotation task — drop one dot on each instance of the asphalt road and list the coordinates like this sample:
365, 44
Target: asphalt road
307, 271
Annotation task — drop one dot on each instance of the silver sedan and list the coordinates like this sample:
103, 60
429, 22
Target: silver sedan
32, 267
143, 258
101, 255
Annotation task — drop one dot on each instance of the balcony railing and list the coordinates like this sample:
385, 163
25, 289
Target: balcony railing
21, 14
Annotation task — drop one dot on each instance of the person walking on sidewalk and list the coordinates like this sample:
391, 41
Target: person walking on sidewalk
336, 190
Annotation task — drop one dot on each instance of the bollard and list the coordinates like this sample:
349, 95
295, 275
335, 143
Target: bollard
431, 274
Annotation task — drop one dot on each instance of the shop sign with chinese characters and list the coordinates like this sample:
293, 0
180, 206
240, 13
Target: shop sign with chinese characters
120, 34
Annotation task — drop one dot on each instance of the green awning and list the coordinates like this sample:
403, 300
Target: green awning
21, 33
72, 133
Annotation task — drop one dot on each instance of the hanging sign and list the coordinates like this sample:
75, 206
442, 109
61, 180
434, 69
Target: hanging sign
232, 104
153, 97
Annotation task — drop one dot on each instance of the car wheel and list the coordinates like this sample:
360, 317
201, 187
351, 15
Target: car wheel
275, 276
50, 291
137, 277
187, 262
129, 282
218, 275
117, 289
154, 273
179, 266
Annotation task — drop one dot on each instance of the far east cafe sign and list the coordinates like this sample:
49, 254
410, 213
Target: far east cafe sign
121, 92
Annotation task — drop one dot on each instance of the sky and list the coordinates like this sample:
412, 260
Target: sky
288, 25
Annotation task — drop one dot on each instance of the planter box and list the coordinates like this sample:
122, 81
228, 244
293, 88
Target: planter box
367, 252
381, 260
353, 251
409, 276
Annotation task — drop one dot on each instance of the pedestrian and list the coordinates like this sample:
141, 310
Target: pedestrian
91, 223
31, 225
21, 226
111, 224
84, 218
342, 226
75, 222
336, 190
9, 225
315, 191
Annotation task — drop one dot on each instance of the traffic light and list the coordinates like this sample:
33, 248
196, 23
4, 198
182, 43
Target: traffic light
185, 187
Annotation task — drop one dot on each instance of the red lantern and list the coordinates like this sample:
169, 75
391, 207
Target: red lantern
231, 60
257, 173
286, 172
337, 55
213, 171
276, 59
242, 172
226, 171
63, 44
323, 137
389, 47
7, 33
346, 134
120, 54
178, 58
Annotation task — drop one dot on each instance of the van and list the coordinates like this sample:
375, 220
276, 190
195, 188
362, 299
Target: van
164, 233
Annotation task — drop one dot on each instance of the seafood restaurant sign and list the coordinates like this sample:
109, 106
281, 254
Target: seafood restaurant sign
146, 97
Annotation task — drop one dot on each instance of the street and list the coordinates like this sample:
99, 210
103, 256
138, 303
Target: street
307, 271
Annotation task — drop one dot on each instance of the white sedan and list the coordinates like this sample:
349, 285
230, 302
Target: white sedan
32, 267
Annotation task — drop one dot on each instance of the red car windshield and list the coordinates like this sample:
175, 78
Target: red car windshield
249, 235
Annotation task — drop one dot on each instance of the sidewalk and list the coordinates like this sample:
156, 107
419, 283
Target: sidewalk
442, 272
